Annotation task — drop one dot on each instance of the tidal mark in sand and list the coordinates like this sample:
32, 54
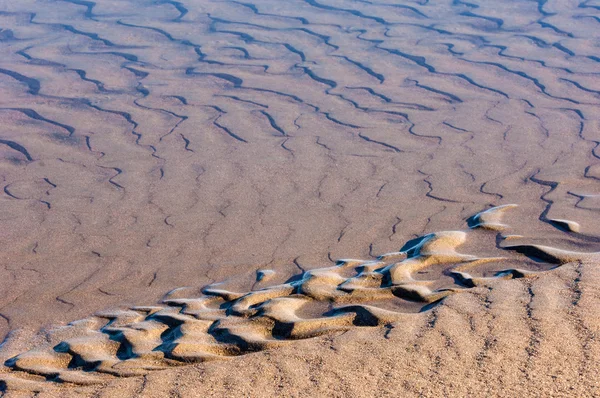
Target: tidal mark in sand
392, 147
17, 147
32, 84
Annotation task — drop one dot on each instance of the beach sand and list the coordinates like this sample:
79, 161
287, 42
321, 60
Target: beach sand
299, 198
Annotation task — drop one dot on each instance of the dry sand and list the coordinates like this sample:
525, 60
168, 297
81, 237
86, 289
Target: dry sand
180, 179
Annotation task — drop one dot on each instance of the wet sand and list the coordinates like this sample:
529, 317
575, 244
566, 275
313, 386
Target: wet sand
180, 179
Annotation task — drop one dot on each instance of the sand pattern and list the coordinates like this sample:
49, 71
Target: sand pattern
219, 324
246, 145
142, 136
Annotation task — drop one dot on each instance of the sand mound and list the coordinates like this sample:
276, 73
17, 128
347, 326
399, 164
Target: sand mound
221, 324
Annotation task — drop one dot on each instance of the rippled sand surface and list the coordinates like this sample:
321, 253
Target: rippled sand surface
180, 178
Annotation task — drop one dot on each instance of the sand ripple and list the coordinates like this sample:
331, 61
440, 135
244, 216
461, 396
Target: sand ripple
242, 146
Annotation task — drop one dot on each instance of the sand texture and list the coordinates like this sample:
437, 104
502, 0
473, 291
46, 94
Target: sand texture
299, 198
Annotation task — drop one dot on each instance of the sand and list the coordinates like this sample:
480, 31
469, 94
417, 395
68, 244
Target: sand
299, 198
